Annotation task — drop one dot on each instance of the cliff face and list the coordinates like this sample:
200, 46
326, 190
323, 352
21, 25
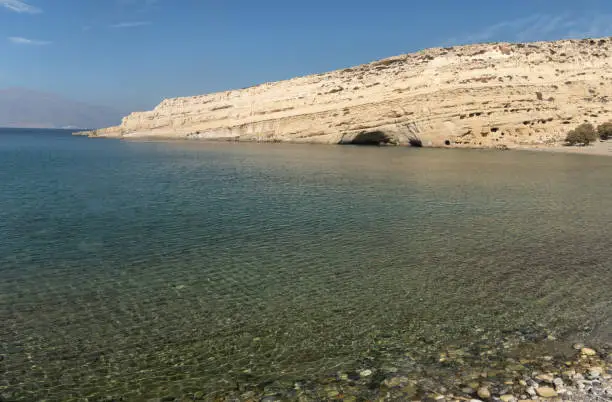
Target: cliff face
477, 95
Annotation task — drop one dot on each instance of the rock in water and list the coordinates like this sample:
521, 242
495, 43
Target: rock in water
588, 352
546, 392
545, 378
484, 393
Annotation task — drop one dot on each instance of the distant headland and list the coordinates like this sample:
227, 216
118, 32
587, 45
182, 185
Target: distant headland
498, 95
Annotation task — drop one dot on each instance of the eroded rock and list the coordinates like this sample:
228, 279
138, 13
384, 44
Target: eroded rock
485, 95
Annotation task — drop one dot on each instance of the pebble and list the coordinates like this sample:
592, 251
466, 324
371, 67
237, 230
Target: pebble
474, 385
595, 372
507, 398
395, 382
365, 373
468, 390
545, 378
484, 393
588, 352
546, 392
332, 393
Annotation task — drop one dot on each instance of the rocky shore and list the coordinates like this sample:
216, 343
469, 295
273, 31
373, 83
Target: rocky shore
586, 376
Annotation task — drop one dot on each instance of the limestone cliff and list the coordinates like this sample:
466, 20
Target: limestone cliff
476, 95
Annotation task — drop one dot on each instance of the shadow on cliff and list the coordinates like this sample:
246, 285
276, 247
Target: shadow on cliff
378, 138
371, 138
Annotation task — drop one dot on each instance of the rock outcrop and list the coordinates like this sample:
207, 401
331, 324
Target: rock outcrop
485, 95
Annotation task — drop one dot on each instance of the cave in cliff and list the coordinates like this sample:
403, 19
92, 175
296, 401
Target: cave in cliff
372, 138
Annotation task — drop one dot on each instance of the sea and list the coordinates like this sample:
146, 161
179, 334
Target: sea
181, 270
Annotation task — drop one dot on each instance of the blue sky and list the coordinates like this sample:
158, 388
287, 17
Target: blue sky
131, 54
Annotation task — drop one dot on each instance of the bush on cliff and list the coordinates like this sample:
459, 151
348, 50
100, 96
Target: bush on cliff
583, 134
605, 130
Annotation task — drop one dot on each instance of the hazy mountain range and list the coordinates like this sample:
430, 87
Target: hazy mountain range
20, 107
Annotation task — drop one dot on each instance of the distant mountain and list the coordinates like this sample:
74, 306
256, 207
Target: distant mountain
21, 107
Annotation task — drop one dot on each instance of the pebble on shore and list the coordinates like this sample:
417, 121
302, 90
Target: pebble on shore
587, 377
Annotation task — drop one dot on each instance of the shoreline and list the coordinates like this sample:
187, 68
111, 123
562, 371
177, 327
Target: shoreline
597, 148
547, 375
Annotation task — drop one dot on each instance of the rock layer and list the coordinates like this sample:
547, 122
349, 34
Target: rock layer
482, 95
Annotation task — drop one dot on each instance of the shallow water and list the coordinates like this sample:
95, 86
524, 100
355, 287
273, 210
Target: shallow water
143, 269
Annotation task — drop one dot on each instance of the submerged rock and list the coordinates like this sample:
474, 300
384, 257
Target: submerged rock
548, 378
484, 393
546, 392
395, 382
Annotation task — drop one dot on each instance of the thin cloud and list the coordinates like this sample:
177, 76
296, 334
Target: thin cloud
17, 40
19, 6
597, 26
131, 24
146, 3
538, 27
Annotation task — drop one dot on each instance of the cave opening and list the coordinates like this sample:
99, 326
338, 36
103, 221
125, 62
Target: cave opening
371, 138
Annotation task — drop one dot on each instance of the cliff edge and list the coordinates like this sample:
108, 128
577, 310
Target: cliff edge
482, 95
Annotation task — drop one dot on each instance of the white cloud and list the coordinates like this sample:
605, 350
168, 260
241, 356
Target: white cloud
131, 24
20, 7
24, 41
538, 27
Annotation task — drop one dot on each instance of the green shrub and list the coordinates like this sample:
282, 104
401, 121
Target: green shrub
583, 134
605, 130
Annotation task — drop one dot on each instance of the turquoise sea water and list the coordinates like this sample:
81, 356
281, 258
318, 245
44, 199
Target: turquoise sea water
138, 269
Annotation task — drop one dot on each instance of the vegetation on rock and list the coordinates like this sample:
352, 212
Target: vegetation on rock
584, 134
605, 130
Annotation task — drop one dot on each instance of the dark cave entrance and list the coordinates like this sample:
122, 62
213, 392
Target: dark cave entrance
371, 138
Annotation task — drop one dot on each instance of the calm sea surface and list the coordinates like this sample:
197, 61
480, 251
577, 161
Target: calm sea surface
141, 269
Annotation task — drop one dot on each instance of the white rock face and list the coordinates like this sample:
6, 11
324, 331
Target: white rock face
478, 96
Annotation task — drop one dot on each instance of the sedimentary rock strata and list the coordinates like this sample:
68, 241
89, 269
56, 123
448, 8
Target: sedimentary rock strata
478, 95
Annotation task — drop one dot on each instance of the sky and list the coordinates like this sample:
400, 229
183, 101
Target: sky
131, 54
